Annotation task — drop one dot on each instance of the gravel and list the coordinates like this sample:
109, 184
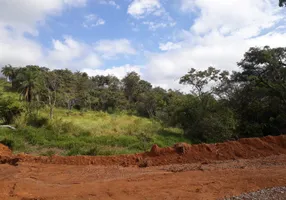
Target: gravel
276, 193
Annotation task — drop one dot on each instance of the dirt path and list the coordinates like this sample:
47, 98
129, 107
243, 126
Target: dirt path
204, 178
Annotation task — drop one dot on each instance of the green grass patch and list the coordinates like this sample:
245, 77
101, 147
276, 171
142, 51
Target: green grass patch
85, 133
82, 142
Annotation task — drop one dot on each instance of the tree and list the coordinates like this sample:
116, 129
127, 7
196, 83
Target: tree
29, 83
200, 80
82, 87
282, 3
51, 87
10, 73
260, 101
7, 71
265, 68
202, 117
130, 84
67, 89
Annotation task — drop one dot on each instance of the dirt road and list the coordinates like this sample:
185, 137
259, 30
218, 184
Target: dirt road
213, 176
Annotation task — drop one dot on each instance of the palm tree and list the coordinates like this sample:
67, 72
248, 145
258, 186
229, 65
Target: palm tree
7, 71
29, 79
10, 73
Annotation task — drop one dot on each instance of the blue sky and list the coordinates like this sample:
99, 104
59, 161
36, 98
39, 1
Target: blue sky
159, 39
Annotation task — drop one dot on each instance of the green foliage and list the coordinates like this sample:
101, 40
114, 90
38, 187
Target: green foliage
8, 142
260, 102
205, 120
9, 109
103, 115
37, 121
95, 133
48, 153
282, 3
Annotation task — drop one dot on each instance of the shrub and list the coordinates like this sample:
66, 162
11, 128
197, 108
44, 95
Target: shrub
36, 120
94, 151
9, 143
59, 127
9, 109
49, 153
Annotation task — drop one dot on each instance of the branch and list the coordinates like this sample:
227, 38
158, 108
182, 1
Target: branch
7, 126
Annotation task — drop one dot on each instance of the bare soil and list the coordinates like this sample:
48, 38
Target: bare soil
206, 171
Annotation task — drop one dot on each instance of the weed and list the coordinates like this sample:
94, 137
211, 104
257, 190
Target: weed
49, 153
8, 142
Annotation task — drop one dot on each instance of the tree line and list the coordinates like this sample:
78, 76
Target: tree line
221, 105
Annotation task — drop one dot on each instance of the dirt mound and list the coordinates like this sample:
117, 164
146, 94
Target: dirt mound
4, 150
6, 156
243, 148
179, 153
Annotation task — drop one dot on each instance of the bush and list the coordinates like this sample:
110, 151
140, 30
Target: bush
37, 121
20, 122
9, 109
49, 153
60, 127
205, 119
94, 151
9, 143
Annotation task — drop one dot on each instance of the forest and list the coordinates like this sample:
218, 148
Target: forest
221, 105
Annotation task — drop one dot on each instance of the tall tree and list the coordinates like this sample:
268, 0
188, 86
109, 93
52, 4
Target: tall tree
67, 89
51, 87
82, 87
10, 73
266, 68
30, 79
199, 80
202, 117
261, 101
131, 82
282, 3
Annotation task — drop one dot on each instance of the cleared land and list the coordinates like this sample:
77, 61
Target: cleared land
182, 172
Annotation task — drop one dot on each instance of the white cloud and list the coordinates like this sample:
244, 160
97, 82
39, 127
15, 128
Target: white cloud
23, 16
72, 54
92, 20
242, 17
109, 2
75, 2
119, 72
153, 26
92, 60
169, 46
17, 50
109, 49
219, 37
141, 8
18, 17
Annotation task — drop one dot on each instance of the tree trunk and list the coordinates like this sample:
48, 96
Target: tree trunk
51, 112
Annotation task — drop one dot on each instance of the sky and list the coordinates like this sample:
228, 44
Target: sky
159, 39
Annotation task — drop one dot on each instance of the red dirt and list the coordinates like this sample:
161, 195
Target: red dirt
206, 171
5, 151
180, 153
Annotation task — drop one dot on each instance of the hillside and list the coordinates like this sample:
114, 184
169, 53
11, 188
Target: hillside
85, 133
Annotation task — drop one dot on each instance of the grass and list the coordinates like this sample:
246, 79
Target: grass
88, 133
91, 133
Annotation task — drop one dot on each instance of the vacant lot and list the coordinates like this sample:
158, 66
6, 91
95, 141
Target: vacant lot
181, 172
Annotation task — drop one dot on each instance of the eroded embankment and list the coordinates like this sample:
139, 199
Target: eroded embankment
179, 153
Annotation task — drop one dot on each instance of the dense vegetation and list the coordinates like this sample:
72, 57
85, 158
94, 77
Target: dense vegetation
221, 105
282, 3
